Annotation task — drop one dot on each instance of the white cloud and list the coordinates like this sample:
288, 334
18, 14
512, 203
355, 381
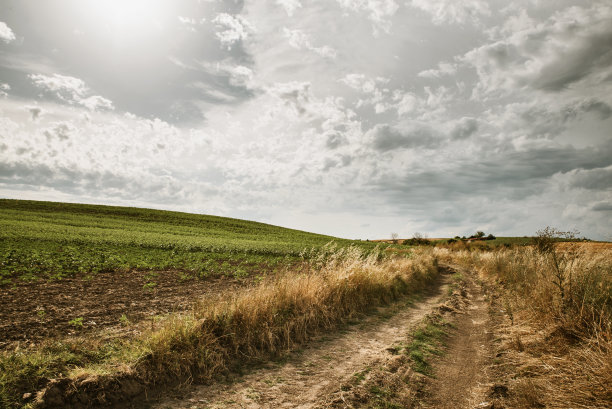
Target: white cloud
290, 6
232, 29
443, 69
6, 34
453, 11
71, 90
191, 23
379, 12
4, 88
300, 40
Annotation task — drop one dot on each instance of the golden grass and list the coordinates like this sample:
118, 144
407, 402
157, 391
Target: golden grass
558, 341
256, 323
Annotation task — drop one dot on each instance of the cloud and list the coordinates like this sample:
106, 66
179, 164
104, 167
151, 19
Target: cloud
300, 40
4, 88
71, 90
573, 45
602, 207
599, 179
232, 29
6, 34
61, 131
464, 128
453, 11
379, 12
290, 6
386, 138
35, 112
191, 23
443, 69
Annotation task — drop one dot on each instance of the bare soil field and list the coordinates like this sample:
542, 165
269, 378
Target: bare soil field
42, 310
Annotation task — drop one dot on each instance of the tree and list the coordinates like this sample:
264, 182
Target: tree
394, 237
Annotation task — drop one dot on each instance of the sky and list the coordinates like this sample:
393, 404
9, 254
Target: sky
354, 118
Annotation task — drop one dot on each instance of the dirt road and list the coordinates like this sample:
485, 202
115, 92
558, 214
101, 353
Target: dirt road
310, 377
462, 378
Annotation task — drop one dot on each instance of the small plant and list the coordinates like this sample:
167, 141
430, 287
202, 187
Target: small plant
41, 313
124, 320
76, 322
149, 286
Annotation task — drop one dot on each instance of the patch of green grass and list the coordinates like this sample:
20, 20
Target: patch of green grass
426, 341
383, 398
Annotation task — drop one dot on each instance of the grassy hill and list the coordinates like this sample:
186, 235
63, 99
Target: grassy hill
53, 240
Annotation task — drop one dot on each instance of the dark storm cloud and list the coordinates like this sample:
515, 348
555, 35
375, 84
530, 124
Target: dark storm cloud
599, 179
602, 207
69, 180
510, 175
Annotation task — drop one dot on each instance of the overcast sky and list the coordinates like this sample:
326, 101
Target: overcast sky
355, 118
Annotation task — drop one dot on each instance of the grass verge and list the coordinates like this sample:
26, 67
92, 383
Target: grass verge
556, 338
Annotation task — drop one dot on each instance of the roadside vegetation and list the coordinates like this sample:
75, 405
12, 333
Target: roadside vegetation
218, 334
556, 296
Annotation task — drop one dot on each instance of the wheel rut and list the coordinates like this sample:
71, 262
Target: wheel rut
462, 378
309, 375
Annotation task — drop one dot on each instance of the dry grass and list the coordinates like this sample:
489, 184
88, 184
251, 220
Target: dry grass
557, 342
254, 324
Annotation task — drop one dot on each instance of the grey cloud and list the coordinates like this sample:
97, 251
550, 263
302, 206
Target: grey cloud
335, 140
465, 128
509, 175
593, 179
387, 138
572, 45
600, 108
159, 188
35, 112
602, 207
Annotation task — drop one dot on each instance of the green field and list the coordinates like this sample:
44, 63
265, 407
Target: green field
54, 240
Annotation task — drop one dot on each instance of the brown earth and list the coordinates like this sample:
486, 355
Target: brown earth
463, 374
31, 312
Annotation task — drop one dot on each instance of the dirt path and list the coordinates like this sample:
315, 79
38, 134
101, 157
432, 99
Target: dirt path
462, 378
308, 377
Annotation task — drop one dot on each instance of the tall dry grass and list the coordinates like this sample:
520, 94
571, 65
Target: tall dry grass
256, 323
572, 285
278, 315
559, 300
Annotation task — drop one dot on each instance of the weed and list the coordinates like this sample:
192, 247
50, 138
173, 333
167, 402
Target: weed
149, 286
76, 322
124, 320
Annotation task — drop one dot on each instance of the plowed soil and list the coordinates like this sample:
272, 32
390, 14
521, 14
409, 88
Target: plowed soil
41, 310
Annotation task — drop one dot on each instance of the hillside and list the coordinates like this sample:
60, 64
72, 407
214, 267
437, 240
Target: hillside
49, 239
